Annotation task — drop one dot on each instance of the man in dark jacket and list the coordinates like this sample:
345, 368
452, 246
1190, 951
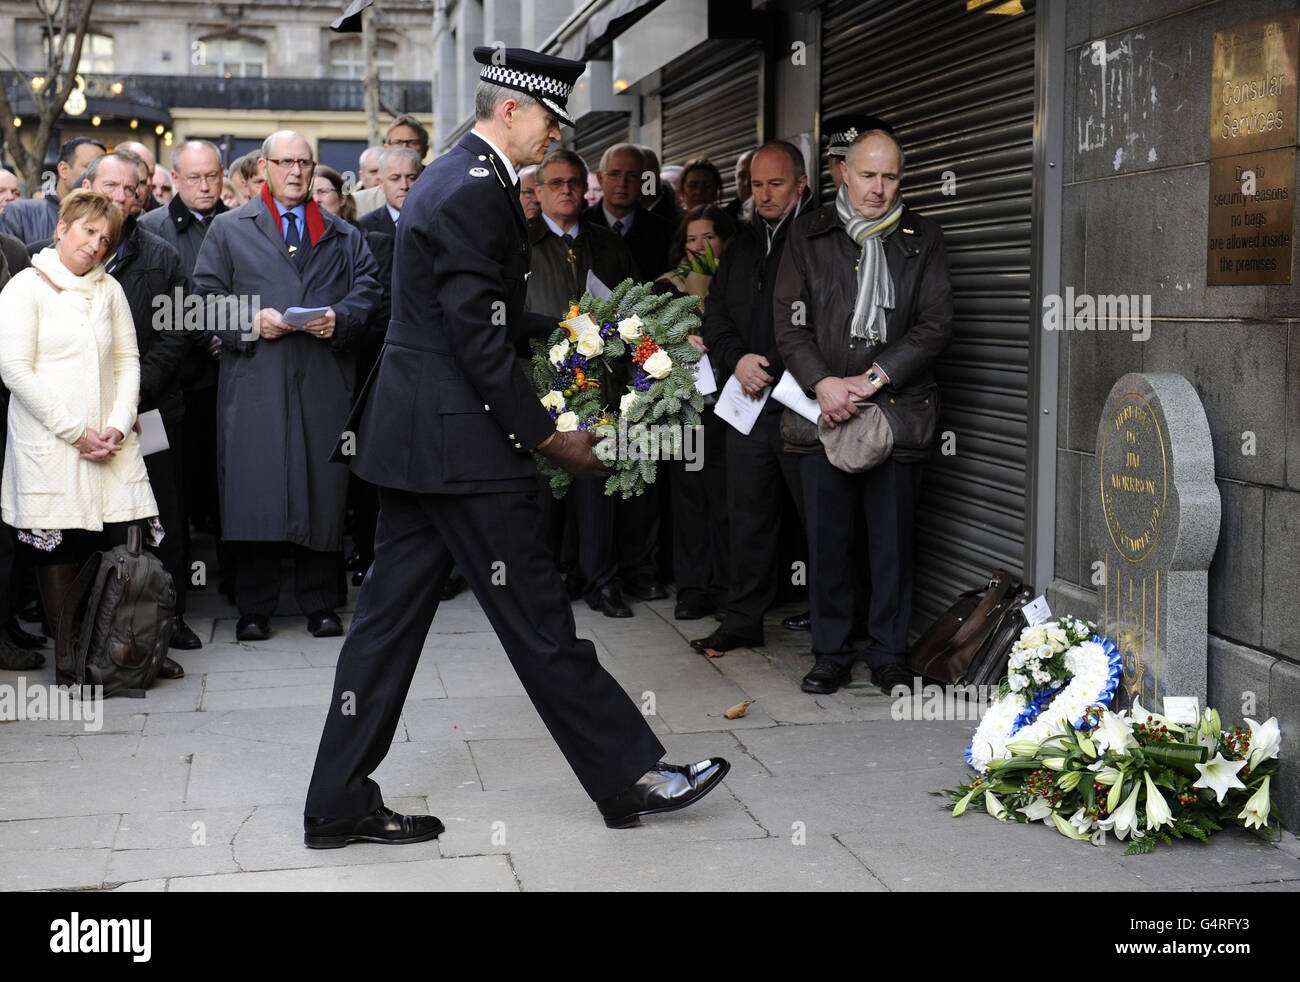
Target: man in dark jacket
565, 249
33, 219
285, 386
866, 261
738, 333
446, 428
649, 237
399, 168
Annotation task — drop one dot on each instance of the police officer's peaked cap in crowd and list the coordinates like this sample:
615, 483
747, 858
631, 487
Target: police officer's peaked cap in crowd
840, 131
547, 79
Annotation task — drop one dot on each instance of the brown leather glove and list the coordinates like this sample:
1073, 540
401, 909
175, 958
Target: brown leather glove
572, 451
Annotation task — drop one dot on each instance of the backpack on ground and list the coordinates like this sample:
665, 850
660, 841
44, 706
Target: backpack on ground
970, 643
117, 621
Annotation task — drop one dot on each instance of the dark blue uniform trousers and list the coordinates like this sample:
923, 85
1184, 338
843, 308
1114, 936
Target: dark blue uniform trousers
598, 728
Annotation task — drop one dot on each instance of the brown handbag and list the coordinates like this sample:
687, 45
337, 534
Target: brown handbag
971, 642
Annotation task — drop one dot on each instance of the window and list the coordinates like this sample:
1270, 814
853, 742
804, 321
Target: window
96, 55
230, 57
348, 59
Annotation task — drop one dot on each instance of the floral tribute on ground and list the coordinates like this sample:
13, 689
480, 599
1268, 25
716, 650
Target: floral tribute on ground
622, 368
1051, 749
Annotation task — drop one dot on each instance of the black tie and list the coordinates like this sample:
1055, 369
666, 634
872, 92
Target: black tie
294, 241
573, 260
618, 226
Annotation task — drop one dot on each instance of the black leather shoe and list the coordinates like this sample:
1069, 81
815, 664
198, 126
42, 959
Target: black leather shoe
14, 659
23, 639
253, 627
826, 677
663, 788
184, 638
171, 670
644, 589
692, 610
610, 602
381, 825
453, 586
32, 612
721, 640
798, 622
892, 676
324, 624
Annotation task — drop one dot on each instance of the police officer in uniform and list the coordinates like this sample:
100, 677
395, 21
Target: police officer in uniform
444, 428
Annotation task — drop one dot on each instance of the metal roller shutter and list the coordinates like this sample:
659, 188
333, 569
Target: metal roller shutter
958, 87
596, 133
711, 108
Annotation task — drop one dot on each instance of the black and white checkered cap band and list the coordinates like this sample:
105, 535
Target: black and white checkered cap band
530, 82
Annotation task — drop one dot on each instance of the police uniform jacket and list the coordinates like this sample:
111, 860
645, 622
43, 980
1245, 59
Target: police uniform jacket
449, 409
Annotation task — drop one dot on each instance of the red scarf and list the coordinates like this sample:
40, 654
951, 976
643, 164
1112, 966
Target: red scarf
315, 224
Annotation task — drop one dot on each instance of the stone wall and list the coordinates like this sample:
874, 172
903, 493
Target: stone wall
1137, 133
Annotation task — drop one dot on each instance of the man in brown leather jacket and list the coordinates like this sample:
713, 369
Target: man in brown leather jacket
862, 309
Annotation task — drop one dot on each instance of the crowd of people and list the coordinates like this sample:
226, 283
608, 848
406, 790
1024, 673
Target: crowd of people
292, 270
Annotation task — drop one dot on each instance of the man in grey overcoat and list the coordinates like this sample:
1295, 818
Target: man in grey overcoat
284, 392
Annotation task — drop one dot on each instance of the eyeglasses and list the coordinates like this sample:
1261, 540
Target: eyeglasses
325, 190
288, 163
413, 144
199, 179
559, 184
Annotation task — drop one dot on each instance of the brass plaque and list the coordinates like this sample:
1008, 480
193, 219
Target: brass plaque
1254, 101
1252, 218
1134, 470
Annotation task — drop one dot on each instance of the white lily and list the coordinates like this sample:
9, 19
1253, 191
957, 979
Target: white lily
1037, 810
1158, 813
1106, 775
1022, 748
1257, 808
1219, 775
1069, 780
1209, 729
1082, 822
1115, 732
1054, 763
1265, 741
1126, 815
994, 807
1068, 830
1140, 715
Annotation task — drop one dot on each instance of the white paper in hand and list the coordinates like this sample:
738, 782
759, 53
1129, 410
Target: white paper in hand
153, 435
596, 288
737, 408
705, 383
788, 394
296, 317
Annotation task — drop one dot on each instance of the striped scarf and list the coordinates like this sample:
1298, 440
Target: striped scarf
875, 288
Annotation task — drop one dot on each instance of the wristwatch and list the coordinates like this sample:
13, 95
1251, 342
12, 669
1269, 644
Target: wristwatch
875, 380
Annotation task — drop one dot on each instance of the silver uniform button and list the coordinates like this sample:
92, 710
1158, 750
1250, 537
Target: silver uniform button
487, 408
519, 446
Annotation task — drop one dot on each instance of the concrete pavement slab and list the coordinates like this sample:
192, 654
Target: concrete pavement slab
66, 788
41, 834
470, 874
54, 869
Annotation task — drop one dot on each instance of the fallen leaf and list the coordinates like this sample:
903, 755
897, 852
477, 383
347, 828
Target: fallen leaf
714, 652
739, 709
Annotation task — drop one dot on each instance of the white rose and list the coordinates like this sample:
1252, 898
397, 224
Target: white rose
1058, 639
590, 344
626, 402
1016, 681
658, 365
1033, 637
567, 423
559, 352
629, 329
553, 400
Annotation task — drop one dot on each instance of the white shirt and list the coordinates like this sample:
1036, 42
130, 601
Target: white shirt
555, 227
393, 213
510, 168
626, 219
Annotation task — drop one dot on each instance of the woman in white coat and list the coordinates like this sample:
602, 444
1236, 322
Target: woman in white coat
74, 478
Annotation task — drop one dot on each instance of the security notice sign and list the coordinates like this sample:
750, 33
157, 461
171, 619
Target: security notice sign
1252, 218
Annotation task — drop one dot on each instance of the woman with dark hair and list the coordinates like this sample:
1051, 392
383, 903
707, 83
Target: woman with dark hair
74, 478
698, 488
700, 183
330, 194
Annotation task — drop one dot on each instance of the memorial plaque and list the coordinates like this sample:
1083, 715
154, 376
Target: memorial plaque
1252, 218
1155, 525
1254, 101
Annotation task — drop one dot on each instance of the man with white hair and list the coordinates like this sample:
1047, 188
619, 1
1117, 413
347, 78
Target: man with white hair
285, 385
398, 169
8, 187
368, 167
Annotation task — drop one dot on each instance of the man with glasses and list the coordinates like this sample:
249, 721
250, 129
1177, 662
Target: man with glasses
399, 168
197, 177
405, 131
565, 249
145, 200
285, 386
622, 172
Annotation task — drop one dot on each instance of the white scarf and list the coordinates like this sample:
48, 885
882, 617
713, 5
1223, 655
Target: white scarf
91, 288
875, 288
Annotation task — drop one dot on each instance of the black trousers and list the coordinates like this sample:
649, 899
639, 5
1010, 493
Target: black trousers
597, 727
701, 529
257, 578
886, 496
579, 531
757, 466
163, 468
640, 520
